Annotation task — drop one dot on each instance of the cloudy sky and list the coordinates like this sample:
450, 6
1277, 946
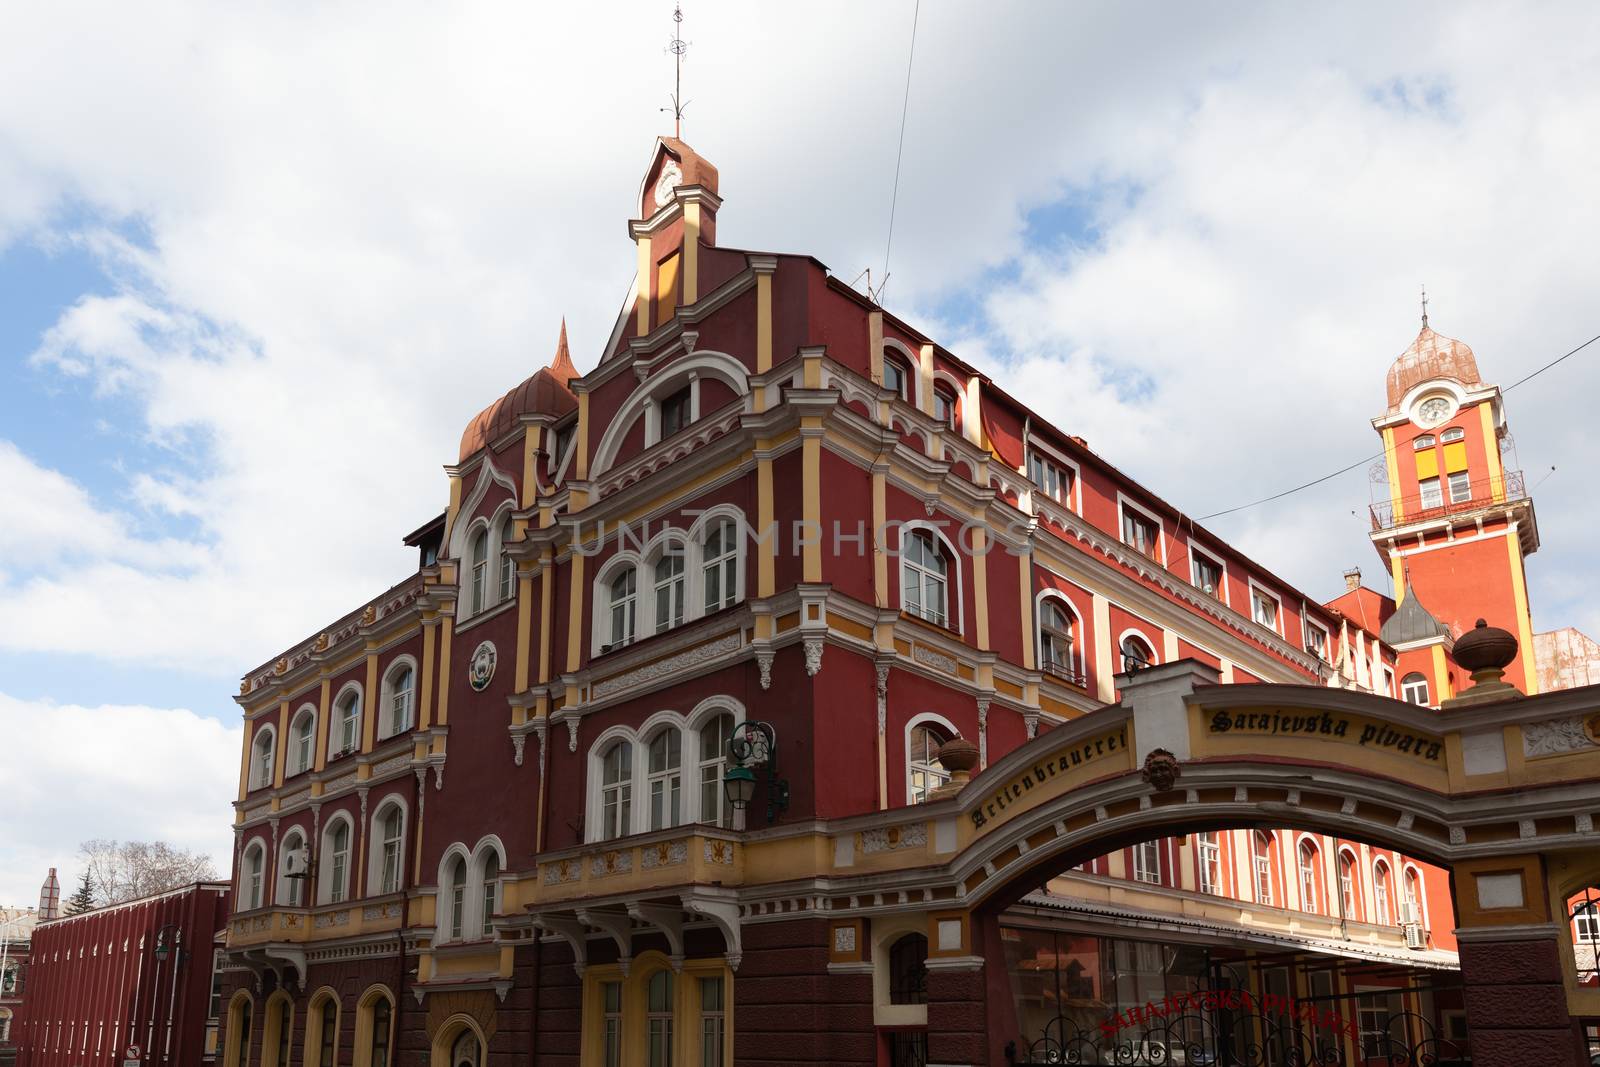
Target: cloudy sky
259, 265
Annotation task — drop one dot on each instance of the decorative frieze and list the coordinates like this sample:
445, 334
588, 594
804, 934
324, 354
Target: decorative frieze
664, 854
561, 872
719, 851
375, 912
1555, 737
666, 666
613, 862
932, 657
329, 919
890, 838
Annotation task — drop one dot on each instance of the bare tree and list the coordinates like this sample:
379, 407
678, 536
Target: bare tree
126, 870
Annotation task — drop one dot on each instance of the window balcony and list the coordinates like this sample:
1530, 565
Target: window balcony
1483, 493
680, 855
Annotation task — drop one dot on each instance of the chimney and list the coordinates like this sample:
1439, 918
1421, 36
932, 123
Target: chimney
1352, 579
50, 898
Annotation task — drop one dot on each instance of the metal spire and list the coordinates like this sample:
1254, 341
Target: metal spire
677, 46
1424, 307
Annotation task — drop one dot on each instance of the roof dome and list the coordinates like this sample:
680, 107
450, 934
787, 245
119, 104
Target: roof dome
546, 393
1431, 355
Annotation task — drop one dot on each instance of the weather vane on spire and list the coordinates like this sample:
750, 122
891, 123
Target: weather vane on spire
677, 46
1424, 307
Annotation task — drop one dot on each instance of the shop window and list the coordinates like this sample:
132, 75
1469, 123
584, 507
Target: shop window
1381, 1020
924, 577
1414, 689
664, 778
1147, 862
675, 412
908, 970
924, 771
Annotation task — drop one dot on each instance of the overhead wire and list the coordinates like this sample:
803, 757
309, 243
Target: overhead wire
905, 109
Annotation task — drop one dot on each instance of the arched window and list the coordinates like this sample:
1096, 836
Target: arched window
490, 879
508, 566
616, 790
714, 735
480, 569
349, 709
378, 1054
1350, 887
1056, 640
1422, 442
1262, 847
280, 1026
1310, 878
1136, 654
908, 970
240, 1011
390, 824
719, 564
457, 900
624, 607
322, 1020
664, 777
1414, 689
303, 734
262, 751
1411, 908
399, 697
669, 586
944, 406
924, 577
335, 874
466, 1051
658, 1019
924, 772
1586, 924
292, 854
1380, 894
254, 869
895, 377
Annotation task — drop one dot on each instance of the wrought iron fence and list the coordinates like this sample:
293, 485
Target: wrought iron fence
1448, 501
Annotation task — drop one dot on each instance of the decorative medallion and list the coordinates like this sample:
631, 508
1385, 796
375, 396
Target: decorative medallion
1161, 769
480, 670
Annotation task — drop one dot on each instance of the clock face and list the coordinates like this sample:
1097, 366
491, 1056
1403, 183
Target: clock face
1433, 411
671, 178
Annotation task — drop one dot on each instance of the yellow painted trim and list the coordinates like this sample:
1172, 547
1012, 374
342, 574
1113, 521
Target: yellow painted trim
1025, 586
767, 557
1394, 472
231, 1049
281, 741
446, 629
972, 413
1519, 595
883, 772
425, 703
1397, 565
581, 463
1441, 675
925, 373
1169, 645
369, 713
642, 307
880, 551
316, 1006
811, 508
634, 1031
244, 763
1104, 653
875, 345
575, 615
363, 1037
322, 723
691, 252
271, 1032
980, 584
530, 463
546, 609
455, 502
1491, 450
524, 628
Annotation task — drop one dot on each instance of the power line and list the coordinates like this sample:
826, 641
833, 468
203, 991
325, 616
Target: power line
1379, 455
905, 107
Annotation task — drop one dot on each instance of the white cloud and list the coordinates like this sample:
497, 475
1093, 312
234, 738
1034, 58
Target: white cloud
75, 773
354, 229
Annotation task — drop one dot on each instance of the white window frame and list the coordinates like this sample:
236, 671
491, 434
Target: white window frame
702, 719
376, 857
673, 545
453, 920
1430, 493
1256, 589
386, 726
689, 728
1155, 651
1466, 483
1407, 685
506, 567
327, 860
625, 788
283, 883
1147, 861
1586, 924
1049, 454
1383, 913
913, 766
955, 605
1261, 867
480, 594
337, 719
262, 773
305, 756
1208, 849
1349, 884
1077, 659
1126, 504
665, 779
1310, 626
1451, 435
1195, 556
910, 366
477, 905
730, 559
253, 874
1421, 902
1310, 877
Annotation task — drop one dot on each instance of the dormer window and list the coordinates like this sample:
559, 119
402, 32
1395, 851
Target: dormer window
944, 406
894, 377
1053, 480
1207, 574
674, 413
1140, 533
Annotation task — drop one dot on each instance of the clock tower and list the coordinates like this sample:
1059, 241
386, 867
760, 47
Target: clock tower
1457, 525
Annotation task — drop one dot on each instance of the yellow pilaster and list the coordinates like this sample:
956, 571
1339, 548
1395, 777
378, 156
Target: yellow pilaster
642, 308
1104, 650
1394, 472
446, 628
880, 552
322, 722
455, 503
1491, 451
925, 373
691, 252
282, 744
524, 626
369, 714
972, 412
1441, 675
811, 501
980, 584
244, 764
1519, 594
530, 463
875, 344
575, 615
767, 560
1025, 589
1397, 564
425, 704
763, 332
546, 609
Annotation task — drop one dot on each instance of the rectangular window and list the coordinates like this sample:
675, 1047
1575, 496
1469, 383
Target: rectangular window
1378, 1015
611, 994
1264, 609
1460, 487
1210, 864
712, 1022
1432, 497
563, 443
1140, 533
1316, 640
674, 413
1054, 481
1147, 862
1207, 575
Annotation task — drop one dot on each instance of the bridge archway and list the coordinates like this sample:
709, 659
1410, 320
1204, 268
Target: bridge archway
1501, 792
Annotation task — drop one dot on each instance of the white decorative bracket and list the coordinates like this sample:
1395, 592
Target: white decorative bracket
572, 933
614, 925
724, 912
669, 921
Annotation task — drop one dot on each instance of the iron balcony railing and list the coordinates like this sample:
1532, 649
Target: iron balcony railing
1423, 507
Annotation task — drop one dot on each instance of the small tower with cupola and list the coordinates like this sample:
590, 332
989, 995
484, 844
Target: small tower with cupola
1457, 524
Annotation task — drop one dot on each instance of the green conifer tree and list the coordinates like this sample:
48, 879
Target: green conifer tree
82, 900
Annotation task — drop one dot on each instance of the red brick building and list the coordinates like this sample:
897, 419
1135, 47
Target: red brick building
655, 757
139, 976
